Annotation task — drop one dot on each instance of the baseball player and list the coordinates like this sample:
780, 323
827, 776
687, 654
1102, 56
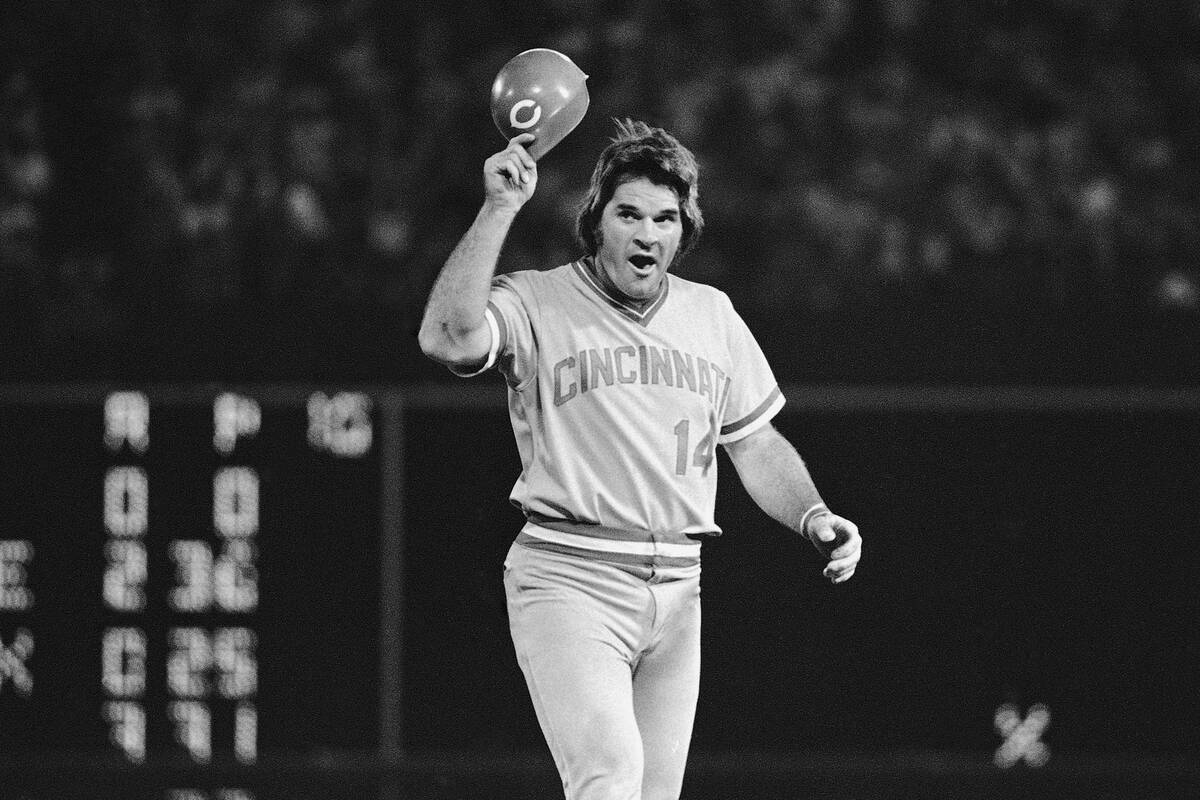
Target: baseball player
622, 380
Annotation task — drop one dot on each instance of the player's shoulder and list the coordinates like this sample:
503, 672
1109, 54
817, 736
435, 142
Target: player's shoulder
694, 292
536, 279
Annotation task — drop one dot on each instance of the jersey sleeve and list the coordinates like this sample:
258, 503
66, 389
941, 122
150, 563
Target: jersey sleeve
512, 350
753, 397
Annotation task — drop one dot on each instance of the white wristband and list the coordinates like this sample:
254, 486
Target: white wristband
815, 511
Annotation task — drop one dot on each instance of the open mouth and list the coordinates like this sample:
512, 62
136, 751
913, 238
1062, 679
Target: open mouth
643, 263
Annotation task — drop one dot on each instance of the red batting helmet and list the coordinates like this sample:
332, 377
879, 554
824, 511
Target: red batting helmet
539, 91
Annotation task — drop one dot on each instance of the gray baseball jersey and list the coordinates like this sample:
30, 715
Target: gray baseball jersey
617, 412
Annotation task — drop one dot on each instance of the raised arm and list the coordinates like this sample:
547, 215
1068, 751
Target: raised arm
454, 330
778, 481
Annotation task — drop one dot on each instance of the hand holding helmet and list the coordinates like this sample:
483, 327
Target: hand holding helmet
510, 176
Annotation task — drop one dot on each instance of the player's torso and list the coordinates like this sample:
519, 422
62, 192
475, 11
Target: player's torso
628, 406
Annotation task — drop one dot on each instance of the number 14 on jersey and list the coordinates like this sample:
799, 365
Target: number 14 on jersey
702, 456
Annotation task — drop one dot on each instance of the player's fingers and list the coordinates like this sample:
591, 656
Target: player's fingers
517, 145
839, 572
844, 563
510, 166
852, 547
842, 577
505, 169
849, 540
840, 567
526, 170
526, 159
847, 528
512, 169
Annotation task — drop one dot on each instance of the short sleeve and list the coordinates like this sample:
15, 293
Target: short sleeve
513, 343
753, 397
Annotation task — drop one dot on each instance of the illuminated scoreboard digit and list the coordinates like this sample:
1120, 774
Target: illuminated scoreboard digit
207, 669
191, 579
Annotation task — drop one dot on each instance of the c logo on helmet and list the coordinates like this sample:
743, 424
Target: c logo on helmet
533, 118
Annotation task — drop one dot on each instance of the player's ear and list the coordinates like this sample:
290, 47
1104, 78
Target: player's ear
587, 227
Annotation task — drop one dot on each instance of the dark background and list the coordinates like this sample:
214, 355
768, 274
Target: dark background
1004, 566
980, 215
895, 190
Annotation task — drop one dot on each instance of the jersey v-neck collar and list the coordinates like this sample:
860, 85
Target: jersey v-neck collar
623, 308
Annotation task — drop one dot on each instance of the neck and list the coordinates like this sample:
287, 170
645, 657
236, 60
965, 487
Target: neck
640, 303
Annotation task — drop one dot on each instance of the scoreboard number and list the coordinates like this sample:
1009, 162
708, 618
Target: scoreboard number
13, 658
15, 594
203, 666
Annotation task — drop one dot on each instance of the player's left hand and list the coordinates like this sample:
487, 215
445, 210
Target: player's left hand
838, 540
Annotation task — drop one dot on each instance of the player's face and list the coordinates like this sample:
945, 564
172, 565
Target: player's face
638, 236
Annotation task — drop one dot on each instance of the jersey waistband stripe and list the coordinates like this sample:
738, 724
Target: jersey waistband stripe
641, 548
618, 559
594, 531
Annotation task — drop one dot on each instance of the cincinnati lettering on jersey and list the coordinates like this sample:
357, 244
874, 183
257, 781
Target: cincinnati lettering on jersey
593, 369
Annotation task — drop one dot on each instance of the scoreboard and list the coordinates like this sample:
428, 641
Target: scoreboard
188, 578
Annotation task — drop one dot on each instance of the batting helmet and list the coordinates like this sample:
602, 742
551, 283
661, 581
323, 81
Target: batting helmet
539, 91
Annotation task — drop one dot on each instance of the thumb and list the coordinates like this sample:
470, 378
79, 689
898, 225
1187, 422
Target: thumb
824, 535
821, 528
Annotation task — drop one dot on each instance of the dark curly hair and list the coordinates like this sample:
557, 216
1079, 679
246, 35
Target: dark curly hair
641, 151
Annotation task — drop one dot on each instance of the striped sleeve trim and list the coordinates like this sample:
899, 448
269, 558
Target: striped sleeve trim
499, 332
743, 427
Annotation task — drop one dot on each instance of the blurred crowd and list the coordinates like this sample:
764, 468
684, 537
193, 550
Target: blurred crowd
964, 190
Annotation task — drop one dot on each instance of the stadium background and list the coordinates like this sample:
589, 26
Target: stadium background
964, 232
